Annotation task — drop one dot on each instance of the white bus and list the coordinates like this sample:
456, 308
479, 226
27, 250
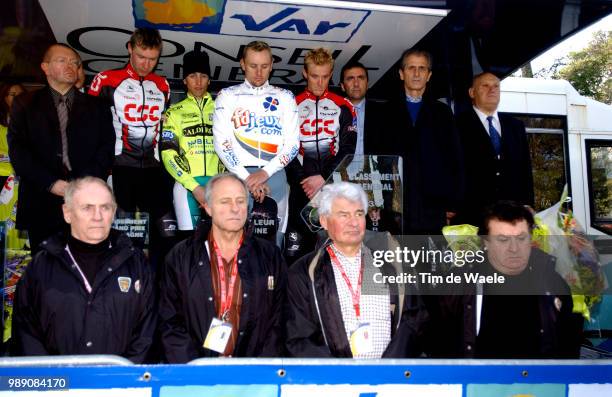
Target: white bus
571, 142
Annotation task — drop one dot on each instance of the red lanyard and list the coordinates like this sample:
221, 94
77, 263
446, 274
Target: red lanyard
227, 294
355, 294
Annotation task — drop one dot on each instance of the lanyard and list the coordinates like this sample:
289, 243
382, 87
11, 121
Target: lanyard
76, 265
355, 294
227, 294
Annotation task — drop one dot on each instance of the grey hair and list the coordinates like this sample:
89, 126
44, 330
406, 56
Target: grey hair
78, 183
219, 177
346, 190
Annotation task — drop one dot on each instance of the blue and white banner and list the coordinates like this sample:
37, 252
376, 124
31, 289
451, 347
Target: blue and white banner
308, 378
370, 33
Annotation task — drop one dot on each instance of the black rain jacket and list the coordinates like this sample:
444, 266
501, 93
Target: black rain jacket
187, 304
55, 315
314, 323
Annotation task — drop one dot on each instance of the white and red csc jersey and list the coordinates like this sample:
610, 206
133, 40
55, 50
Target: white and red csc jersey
137, 104
328, 132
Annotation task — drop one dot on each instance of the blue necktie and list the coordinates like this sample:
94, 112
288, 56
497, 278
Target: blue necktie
495, 138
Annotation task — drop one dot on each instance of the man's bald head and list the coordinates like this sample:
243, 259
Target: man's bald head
485, 92
53, 47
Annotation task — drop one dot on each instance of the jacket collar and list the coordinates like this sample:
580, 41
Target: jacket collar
259, 89
120, 250
310, 95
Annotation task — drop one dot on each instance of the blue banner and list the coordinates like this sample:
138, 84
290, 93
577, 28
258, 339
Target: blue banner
307, 378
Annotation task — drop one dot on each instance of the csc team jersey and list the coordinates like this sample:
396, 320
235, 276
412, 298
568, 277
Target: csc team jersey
137, 104
328, 132
255, 127
187, 148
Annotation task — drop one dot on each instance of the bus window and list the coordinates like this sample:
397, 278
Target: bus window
546, 138
599, 155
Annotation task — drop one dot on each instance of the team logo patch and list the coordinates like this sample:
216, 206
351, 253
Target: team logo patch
183, 163
137, 286
271, 103
124, 283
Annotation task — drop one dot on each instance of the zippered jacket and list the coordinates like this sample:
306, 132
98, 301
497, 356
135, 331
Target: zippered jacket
187, 299
137, 104
328, 132
55, 315
187, 148
255, 127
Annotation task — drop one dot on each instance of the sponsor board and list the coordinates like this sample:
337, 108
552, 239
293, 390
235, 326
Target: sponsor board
100, 30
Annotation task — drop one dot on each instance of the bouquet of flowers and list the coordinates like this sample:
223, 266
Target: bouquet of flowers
578, 262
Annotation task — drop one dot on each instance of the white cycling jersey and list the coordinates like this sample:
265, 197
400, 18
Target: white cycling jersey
255, 127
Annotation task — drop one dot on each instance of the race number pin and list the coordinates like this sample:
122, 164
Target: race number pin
558, 303
124, 283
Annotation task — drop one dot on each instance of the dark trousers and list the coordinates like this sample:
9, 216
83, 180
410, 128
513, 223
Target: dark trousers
147, 190
144, 189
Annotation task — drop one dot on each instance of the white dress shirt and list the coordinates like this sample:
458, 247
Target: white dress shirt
483, 119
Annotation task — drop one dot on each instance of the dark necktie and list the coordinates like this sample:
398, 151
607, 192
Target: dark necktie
495, 138
62, 114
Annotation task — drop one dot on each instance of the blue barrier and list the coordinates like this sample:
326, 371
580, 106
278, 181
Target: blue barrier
308, 378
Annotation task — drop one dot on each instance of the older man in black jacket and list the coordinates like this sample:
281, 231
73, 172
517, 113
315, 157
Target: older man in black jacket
422, 130
523, 310
223, 290
56, 134
89, 293
341, 301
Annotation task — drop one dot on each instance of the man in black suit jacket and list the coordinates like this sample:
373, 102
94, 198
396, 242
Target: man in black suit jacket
422, 130
354, 83
492, 176
45, 158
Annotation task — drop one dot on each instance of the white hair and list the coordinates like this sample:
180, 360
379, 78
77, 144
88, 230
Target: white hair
346, 190
77, 184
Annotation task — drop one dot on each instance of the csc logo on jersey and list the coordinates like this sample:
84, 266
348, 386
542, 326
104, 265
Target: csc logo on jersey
139, 113
317, 126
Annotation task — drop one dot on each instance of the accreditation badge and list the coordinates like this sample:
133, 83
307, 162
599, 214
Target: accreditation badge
218, 335
361, 340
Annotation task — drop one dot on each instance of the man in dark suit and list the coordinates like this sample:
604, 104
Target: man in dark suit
56, 134
354, 83
422, 131
497, 161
